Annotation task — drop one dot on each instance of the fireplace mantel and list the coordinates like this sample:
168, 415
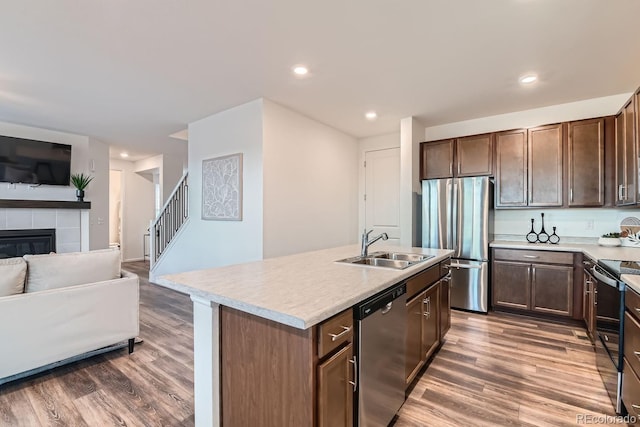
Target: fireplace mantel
44, 204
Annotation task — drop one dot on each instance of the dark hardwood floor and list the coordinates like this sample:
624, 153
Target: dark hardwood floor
151, 387
495, 370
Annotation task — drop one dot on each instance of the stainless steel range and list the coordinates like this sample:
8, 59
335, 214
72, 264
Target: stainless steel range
610, 323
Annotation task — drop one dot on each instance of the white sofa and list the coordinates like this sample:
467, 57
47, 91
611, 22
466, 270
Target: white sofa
57, 306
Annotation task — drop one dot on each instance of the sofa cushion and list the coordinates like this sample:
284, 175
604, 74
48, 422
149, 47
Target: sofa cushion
12, 274
59, 270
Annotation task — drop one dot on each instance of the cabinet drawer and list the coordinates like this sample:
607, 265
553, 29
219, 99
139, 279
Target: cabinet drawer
334, 332
547, 257
632, 341
632, 302
420, 281
630, 390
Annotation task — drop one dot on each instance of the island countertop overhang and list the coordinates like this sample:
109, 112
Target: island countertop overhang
299, 290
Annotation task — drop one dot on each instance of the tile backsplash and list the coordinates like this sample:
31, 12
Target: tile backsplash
582, 224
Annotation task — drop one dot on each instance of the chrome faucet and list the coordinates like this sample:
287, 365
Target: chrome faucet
366, 242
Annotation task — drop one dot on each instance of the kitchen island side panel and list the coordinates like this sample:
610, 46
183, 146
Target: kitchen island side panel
267, 372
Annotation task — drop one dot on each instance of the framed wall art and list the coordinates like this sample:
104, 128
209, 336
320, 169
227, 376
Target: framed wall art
222, 188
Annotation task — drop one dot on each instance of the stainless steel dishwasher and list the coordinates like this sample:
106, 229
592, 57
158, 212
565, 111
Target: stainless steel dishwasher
382, 325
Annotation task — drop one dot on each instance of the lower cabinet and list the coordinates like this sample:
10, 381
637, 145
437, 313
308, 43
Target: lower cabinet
534, 281
335, 389
428, 320
631, 366
445, 305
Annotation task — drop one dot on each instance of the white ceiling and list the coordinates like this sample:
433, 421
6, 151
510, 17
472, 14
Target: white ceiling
132, 72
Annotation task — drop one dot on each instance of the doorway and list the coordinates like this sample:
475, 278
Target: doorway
115, 208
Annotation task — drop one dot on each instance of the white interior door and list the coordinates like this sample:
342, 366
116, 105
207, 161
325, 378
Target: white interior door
382, 192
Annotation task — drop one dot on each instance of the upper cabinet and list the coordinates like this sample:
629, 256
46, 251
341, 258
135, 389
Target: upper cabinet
585, 163
511, 168
545, 165
626, 155
468, 156
436, 159
529, 167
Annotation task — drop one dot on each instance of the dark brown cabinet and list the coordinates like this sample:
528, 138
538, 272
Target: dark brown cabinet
436, 159
474, 155
552, 289
467, 156
631, 366
533, 281
428, 317
626, 156
430, 320
511, 169
529, 167
585, 163
413, 354
544, 177
445, 305
335, 389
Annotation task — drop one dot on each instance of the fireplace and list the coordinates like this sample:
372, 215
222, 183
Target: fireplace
15, 243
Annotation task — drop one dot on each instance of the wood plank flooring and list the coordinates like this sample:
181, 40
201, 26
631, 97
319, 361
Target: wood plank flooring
151, 387
495, 370
507, 370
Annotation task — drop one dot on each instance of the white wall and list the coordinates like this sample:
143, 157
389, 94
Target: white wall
310, 184
201, 243
138, 208
79, 163
411, 134
570, 222
88, 155
115, 205
98, 193
174, 164
379, 142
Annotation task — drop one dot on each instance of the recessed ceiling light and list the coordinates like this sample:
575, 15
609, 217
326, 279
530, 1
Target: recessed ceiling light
371, 115
300, 70
528, 79
124, 154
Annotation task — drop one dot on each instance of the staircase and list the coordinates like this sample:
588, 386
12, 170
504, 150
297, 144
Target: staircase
173, 215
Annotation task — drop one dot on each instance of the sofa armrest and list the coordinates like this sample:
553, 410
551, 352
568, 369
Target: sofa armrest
44, 327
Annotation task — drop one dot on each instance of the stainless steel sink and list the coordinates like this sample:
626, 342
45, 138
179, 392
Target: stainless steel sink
395, 260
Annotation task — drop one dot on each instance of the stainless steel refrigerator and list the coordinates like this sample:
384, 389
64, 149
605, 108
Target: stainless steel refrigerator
457, 213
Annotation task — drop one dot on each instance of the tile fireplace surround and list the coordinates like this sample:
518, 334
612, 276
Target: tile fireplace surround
71, 224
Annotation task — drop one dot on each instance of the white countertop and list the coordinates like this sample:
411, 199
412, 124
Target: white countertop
298, 290
593, 251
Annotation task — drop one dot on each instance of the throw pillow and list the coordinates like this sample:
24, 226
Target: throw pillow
12, 275
61, 270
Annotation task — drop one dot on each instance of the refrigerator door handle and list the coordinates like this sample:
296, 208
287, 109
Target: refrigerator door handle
467, 266
453, 219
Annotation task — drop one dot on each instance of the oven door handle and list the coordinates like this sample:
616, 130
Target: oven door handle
602, 278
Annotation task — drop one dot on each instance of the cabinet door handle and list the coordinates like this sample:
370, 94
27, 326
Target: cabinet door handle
637, 310
345, 331
589, 282
531, 256
637, 354
458, 168
451, 168
620, 192
571, 194
354, 383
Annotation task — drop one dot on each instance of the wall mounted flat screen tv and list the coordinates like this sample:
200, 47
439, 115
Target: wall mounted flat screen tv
34, 162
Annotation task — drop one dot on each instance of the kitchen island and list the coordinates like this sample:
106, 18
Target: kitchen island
282, 300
